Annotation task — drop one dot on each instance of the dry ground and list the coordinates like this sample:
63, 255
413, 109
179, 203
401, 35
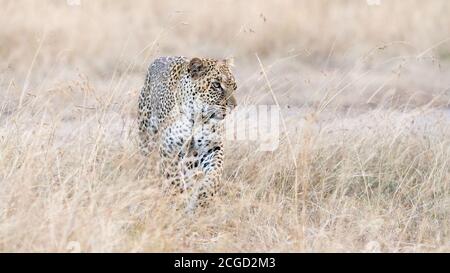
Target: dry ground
364, 158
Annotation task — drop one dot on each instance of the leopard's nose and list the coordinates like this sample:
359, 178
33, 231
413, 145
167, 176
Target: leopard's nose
231, 102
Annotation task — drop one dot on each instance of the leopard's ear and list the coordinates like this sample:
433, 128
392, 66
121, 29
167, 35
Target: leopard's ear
196, 68
229, 62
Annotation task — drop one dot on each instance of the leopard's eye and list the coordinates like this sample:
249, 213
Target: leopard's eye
216, 85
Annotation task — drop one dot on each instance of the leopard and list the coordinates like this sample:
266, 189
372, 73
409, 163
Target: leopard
181, 113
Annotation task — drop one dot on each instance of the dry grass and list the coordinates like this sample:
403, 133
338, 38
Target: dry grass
363, 166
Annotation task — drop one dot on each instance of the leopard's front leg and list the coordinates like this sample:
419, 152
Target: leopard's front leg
209, 145
174, 146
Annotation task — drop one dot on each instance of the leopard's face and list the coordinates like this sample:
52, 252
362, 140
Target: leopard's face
215, 86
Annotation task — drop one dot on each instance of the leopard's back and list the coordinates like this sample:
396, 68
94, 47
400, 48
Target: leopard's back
157, 98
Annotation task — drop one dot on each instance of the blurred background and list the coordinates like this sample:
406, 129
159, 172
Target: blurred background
368, 51
363, 163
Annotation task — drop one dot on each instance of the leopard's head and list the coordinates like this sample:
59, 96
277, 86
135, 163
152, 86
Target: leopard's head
215, 86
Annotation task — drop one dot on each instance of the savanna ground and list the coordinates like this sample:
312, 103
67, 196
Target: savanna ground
364, 158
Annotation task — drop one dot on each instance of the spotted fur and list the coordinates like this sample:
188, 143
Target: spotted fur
181, 110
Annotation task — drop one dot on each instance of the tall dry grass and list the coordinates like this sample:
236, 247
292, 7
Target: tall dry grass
364, 164
100, 36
